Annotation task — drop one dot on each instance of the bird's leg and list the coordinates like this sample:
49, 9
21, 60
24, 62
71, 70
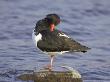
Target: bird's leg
49, 66
51, 62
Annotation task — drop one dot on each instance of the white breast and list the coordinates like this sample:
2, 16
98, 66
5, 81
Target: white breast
36, 38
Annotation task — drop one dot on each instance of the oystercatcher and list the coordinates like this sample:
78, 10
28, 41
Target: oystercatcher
49, 39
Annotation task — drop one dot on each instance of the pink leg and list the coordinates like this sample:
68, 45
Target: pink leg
51, 63
49, 66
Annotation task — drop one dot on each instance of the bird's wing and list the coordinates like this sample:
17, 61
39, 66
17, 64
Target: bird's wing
58, 41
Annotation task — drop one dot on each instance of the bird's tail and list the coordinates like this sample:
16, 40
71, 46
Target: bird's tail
80, 48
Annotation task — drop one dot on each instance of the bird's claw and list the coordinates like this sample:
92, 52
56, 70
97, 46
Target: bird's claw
48, 67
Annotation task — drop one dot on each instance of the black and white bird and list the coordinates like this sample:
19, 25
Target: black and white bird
49, 39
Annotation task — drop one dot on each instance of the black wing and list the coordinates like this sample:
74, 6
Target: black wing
57, 41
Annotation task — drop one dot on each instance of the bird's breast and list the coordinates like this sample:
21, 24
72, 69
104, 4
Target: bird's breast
36, 38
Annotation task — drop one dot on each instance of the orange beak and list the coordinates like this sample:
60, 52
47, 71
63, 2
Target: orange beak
52, 27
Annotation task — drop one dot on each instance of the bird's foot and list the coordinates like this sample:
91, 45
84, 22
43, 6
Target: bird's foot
48, 67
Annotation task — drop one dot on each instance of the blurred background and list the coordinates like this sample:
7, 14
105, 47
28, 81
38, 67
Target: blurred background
87, 21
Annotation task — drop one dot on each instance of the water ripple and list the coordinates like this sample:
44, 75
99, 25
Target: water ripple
86, 21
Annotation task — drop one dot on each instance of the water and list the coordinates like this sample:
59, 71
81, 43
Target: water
86, 21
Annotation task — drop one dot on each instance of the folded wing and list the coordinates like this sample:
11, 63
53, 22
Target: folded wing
57, 41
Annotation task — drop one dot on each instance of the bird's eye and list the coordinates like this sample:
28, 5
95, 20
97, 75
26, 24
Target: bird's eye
58, 20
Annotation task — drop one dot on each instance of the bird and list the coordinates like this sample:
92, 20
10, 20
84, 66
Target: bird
52, 41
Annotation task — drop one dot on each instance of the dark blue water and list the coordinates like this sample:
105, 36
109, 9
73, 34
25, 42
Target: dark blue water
87, 21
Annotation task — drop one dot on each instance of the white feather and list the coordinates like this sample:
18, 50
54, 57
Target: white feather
36, 38
56, 53
64, 35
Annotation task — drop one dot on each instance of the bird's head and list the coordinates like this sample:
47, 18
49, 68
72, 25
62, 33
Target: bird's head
53, 20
